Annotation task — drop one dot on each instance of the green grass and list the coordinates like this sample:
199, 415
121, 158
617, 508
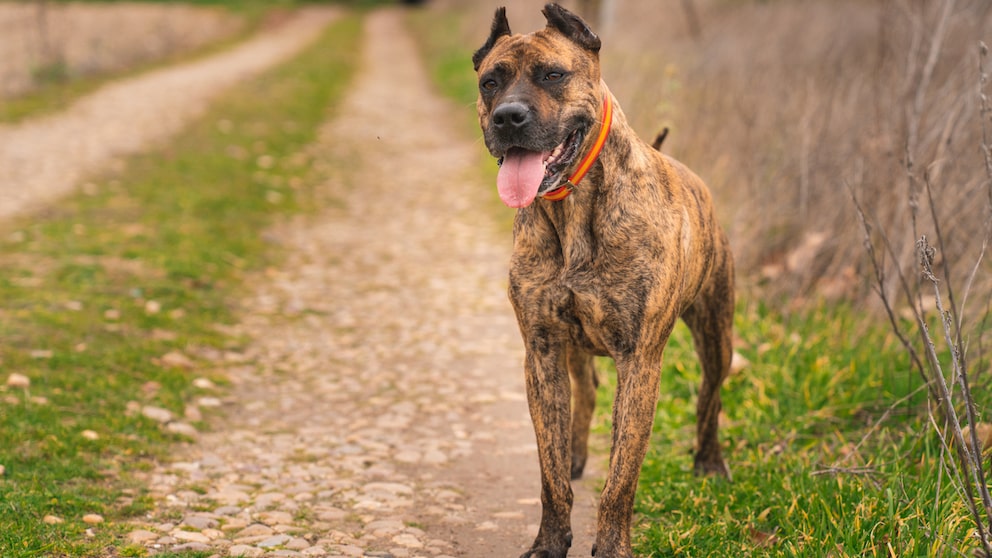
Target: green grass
816, 384
818, 381
145, 262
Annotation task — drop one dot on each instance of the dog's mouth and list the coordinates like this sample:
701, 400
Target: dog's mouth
525, 174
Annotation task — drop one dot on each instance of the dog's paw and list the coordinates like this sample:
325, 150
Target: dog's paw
578, 466
550, 547
544, 553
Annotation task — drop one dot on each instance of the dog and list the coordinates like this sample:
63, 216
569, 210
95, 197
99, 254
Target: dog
613, 241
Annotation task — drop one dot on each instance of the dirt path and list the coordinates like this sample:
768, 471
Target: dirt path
45, 158
380, 410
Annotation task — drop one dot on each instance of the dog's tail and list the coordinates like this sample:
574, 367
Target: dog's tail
660, 139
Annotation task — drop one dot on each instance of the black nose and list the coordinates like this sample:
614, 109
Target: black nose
512, 116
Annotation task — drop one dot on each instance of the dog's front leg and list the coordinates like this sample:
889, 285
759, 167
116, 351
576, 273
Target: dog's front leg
548, 397
633, 418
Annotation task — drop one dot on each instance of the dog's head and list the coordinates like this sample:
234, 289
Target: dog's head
540, 96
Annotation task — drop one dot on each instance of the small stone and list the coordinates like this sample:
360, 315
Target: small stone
157, 414
227, 510
92, 518
52, 520
254, 530
190, 536
3, 470
200, 522
203, 383
330, 514
275, 517
90, 435
212, 534
271, 542
141, 536
738, 363
245, 551
183, 429
192, 413
266, 500
209, 402
298, 544
153, 307
385, 527
18, 381
175, 359
42, 354
408, 541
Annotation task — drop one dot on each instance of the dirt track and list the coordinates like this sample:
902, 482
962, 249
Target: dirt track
380, 410
45, 158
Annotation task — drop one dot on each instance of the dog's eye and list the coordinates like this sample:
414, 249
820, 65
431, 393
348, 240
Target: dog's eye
553, 76
489, 85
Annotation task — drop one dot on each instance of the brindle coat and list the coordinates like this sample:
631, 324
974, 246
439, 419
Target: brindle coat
607, 271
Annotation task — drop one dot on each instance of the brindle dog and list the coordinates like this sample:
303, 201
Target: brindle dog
605, 271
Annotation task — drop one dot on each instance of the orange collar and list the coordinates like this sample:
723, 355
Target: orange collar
587, 162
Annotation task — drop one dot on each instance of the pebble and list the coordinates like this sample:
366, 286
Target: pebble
157, 414
182, 428
52, 520
142, 536
270, 542
255, 530
92, 518
203, 383
18, 381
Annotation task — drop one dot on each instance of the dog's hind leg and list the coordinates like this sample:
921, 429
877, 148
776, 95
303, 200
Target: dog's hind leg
583, 376
710, 319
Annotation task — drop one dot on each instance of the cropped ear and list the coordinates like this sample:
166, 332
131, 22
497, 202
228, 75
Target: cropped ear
571, 26
500, 28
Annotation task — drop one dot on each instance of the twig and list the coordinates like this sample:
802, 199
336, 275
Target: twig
970, 458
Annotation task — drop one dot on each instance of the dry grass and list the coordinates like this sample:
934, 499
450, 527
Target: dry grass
50, 41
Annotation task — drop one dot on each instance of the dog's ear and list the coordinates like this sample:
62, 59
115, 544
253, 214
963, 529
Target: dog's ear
571, 26
500, 28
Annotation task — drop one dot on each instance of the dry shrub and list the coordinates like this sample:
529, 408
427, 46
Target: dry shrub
45, 40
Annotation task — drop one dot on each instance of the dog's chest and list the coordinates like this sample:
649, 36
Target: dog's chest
559, 291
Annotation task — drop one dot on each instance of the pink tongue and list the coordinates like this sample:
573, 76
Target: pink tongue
520, 176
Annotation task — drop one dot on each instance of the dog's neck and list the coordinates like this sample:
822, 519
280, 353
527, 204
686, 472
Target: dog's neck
572, 218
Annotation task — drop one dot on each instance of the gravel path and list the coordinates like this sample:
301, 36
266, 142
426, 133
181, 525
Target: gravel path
379, 408
43, 159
